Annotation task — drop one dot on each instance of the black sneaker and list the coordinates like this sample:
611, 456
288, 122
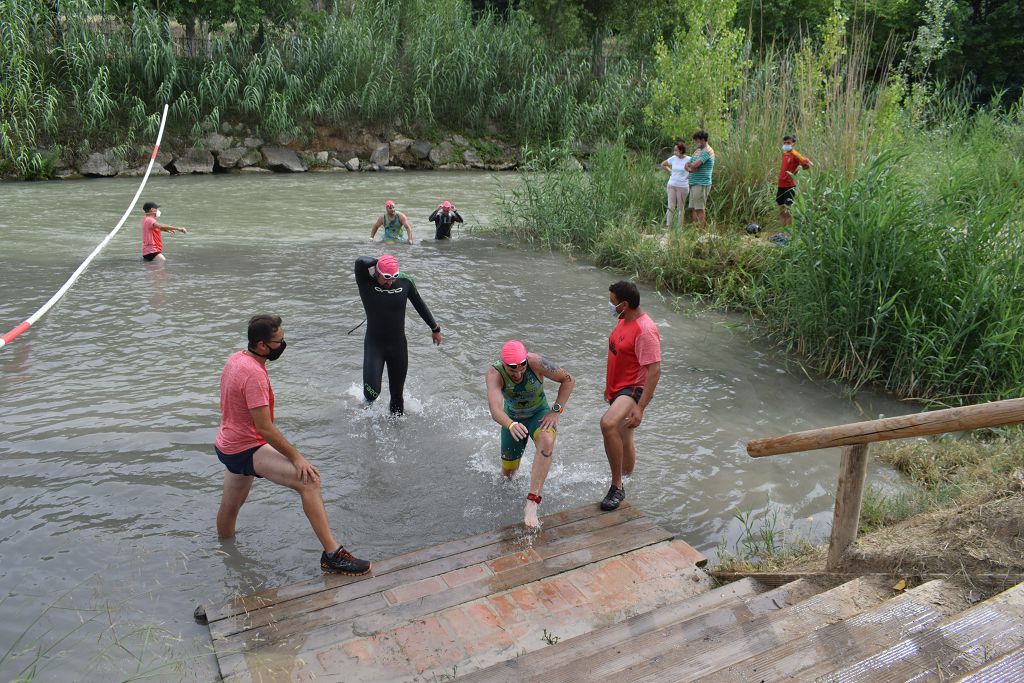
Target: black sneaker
341, 561
615, 496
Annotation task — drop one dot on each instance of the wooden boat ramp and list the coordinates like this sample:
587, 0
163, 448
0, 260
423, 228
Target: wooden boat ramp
607, 596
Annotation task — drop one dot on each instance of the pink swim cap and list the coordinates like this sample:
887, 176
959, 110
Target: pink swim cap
387, 264
389, 204
446, 205
513, 352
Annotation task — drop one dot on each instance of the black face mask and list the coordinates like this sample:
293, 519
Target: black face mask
272, 354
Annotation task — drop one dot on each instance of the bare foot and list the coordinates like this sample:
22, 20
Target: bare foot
530, 518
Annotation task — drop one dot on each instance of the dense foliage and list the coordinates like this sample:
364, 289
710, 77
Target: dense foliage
904, 262
85, 78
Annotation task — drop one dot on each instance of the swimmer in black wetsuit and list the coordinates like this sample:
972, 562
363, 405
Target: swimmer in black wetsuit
443, 217
384, 294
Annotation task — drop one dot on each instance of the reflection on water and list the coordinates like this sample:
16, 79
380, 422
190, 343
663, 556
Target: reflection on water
110, 404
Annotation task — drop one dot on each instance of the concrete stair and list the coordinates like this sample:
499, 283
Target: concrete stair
860, 630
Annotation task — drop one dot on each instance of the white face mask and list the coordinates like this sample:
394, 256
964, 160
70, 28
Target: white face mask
614, 310
787, 148
158, 213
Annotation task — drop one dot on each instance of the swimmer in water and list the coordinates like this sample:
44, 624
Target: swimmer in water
443, 218
394, 223
515, 395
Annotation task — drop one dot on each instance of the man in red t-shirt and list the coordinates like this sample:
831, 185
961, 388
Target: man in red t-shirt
634, 367
152, 240
250, 445
792, 162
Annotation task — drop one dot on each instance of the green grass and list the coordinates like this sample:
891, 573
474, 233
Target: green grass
764, 543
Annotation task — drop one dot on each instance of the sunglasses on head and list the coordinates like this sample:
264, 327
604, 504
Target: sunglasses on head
517, 366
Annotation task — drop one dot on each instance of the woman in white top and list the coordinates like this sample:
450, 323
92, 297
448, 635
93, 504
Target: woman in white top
678, 184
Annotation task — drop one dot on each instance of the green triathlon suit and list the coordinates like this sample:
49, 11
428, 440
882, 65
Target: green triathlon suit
394, 231
525, 403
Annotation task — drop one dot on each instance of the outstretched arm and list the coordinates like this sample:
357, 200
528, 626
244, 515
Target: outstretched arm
169, 228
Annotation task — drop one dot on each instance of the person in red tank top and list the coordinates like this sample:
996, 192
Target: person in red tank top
634, 367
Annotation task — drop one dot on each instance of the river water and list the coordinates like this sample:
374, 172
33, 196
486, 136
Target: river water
109, 405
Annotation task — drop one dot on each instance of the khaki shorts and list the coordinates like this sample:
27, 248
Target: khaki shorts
699, 196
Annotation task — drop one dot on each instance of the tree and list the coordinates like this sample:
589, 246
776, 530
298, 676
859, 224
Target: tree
215, 13
697, 76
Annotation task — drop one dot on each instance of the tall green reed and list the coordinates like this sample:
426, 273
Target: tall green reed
908, 274
423, 66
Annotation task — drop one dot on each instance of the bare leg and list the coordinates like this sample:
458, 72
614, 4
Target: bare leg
628, 450
236, 490
271, 464
545, 447
784, 216
612, 425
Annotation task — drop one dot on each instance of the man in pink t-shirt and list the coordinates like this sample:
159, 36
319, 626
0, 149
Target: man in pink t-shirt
634, 367
152, 240
250, 445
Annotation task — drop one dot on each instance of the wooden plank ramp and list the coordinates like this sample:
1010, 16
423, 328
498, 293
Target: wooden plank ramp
450, 609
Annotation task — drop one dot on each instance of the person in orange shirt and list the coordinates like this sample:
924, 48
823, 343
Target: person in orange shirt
792, 161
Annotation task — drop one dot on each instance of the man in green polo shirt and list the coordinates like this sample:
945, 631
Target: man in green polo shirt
701, 166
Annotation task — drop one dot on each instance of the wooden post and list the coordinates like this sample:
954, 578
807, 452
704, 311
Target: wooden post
853, 469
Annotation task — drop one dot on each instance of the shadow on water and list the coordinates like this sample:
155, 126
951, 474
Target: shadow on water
110, 403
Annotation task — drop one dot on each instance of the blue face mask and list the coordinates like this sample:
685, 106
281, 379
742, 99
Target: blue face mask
614, 310
787, 148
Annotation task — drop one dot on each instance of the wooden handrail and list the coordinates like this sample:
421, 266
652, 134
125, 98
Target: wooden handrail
853, 465
994, 414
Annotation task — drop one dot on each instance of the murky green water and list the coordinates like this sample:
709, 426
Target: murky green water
109, 405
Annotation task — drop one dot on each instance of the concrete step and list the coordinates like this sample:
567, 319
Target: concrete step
624, 659
861, 635
1006, 669
959, 645
540, 662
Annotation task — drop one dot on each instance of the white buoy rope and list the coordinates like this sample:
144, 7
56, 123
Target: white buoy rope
16, 331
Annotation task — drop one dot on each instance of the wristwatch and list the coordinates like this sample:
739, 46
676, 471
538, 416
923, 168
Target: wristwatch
557, 408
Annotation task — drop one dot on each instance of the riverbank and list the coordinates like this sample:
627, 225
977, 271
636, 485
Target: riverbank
236, 148
962, 517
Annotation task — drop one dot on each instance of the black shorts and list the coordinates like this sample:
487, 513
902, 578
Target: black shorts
785, 196
150, 257
633, 392
239, 463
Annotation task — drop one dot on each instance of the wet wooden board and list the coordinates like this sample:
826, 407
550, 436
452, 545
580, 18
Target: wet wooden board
294, 624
